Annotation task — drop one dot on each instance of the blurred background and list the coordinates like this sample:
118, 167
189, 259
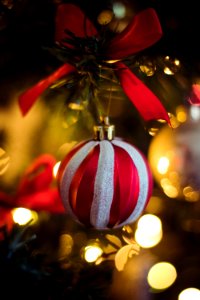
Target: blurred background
44, 253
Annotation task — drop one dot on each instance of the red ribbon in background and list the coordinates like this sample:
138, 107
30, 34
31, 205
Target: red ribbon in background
142, 32
36, 190
194, 97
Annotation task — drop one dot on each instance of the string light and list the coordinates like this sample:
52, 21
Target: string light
171, 65
92, 253
149, 231
105, 17
195, 113
181, 114
161, 276
119, 10
22, 216
189, 294
163, 165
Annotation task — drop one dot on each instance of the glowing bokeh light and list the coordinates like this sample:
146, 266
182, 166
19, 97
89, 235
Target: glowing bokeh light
119, 10
105, 17
149, 231
22, 216
171, 65
55, 169
171, 191
189, 294
163, 165
92, 253
181, 114
168, 71
161, 276
177, 62
195, 113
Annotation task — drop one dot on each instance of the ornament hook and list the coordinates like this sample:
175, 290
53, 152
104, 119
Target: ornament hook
105, 131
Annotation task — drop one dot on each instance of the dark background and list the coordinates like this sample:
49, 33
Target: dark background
30, 24
25, 29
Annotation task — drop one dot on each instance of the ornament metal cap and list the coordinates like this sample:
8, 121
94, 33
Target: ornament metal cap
105, 131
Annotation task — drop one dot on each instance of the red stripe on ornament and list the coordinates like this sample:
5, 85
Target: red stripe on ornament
126, 194
82, 186
149, 174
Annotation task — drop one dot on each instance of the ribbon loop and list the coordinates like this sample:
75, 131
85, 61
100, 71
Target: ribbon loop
143, 31
35, 189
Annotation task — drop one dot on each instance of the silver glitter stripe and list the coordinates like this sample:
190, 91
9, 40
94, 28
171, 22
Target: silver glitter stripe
70, 171
143, 179
103, 187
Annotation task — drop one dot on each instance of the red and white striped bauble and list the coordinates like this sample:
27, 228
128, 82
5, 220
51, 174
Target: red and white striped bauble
105, 184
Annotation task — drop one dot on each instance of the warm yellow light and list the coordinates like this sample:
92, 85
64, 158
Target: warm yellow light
150, 222
105, 17
163, 165
190, 194
147, 241
92, 253
168, 71
171, 191
4, 161
149, 69
171, 65
189, 294
149, 231
55, 169
182, 116
65, 245
112, 61
22, 215
75, 106
161, 276
153, 131
177, 62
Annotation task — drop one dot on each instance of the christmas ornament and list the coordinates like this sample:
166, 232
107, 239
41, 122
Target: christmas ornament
88, 54
175, 160
104, 182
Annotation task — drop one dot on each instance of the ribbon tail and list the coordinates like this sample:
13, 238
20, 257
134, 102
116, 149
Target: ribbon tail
147, 104
142, 32
29, 97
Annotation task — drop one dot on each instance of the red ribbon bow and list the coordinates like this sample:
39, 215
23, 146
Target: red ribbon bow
142, 32
35, 189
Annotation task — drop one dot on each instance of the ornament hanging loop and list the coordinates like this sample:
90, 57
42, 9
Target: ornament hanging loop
105, 131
